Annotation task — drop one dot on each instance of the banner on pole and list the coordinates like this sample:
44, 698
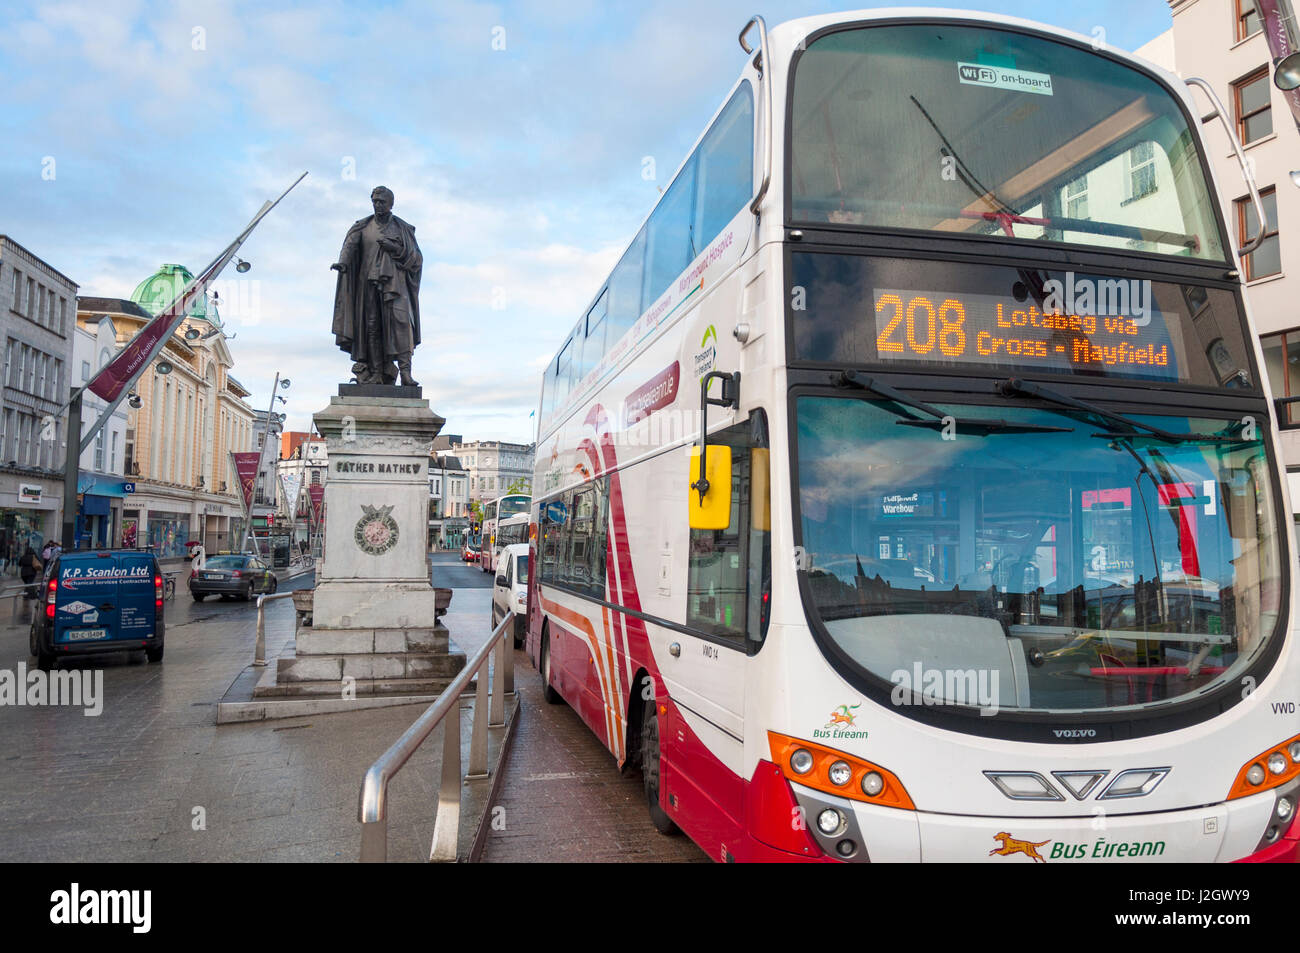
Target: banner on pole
291, 483
1278, 19
317, 493
246, 469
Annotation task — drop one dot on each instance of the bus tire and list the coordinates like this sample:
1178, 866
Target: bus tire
650, 769
550, 694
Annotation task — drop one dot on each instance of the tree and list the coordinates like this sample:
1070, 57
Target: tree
476, 508
519, 485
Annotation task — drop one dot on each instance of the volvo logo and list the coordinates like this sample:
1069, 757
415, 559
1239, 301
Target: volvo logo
1075, 732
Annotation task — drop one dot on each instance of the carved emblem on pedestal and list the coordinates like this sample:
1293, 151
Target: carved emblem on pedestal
376, 531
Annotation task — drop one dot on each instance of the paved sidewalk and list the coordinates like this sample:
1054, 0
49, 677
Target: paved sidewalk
133, 783
564, 798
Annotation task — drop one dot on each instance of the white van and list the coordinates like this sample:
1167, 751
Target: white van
510, 590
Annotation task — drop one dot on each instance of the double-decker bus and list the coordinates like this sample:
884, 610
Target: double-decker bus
494, 511
910, 490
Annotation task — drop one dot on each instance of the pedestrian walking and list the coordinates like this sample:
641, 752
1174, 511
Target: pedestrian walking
29, 567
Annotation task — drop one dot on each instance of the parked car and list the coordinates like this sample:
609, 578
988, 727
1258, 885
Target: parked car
242, 576
98, 601
510, 591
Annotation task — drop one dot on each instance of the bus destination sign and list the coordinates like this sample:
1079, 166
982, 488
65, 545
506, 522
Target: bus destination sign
941, 328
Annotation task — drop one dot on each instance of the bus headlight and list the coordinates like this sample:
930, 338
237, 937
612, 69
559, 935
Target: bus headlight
1270, 769
872, 783
1284, 808
824, 769
829, 821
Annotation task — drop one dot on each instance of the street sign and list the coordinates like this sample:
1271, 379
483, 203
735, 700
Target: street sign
128, 487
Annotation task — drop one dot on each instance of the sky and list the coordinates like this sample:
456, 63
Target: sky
514, 136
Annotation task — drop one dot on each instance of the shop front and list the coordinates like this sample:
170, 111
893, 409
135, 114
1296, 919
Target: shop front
29, 515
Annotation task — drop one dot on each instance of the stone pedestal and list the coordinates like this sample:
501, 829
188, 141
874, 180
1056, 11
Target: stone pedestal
375, 626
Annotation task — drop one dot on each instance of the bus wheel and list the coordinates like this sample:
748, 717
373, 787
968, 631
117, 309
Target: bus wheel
550, 694
650, 769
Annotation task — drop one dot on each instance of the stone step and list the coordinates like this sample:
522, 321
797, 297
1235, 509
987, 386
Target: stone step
429, 688
316, 641
334, 668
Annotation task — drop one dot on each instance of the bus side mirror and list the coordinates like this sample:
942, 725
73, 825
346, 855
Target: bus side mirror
712, 510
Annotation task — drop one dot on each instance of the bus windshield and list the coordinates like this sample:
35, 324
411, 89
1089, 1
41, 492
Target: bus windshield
1084, 567
513, 505
984, 132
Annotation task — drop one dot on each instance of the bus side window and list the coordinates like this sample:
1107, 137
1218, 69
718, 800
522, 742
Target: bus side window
593, 348
729, 569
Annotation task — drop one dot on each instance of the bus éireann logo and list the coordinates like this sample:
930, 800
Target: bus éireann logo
843, 717
1012, 846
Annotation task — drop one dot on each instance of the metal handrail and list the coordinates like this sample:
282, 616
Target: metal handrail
17, 593
372, 806
1255, 197
259, 652
764, 68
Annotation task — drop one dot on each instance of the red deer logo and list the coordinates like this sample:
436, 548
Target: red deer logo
1012, 846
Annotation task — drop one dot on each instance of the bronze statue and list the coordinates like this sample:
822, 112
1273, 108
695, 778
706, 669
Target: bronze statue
377, 299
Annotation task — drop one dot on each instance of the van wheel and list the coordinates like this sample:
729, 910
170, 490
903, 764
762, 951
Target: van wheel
550, 694
45, 661
154, 655
650, 769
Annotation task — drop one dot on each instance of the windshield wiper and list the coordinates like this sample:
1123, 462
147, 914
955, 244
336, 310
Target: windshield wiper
1014, 385
968, 425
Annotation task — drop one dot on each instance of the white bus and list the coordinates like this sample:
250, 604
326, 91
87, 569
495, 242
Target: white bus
989, 560
494, 511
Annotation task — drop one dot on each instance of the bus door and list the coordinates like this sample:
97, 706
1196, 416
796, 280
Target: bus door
727, 597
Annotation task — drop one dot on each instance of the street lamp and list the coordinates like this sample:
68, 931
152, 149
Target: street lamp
1286, 72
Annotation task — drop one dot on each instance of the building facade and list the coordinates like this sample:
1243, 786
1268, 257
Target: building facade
37, 317
1222, 41
189, 420
449, 514
493, 466
307, 460
101, 484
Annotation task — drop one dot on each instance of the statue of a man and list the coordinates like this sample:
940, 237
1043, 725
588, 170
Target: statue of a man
377, 300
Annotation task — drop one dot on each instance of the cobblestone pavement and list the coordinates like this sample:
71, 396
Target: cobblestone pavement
564, 797
153, 778
133, 783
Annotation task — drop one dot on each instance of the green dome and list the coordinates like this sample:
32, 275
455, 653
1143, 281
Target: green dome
162, 287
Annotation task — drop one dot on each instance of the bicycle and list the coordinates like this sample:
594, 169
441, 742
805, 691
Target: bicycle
169, 586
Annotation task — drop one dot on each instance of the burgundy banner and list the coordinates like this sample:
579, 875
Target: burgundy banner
246, 467
1276, 14
655, 394
141, 349
317, 493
